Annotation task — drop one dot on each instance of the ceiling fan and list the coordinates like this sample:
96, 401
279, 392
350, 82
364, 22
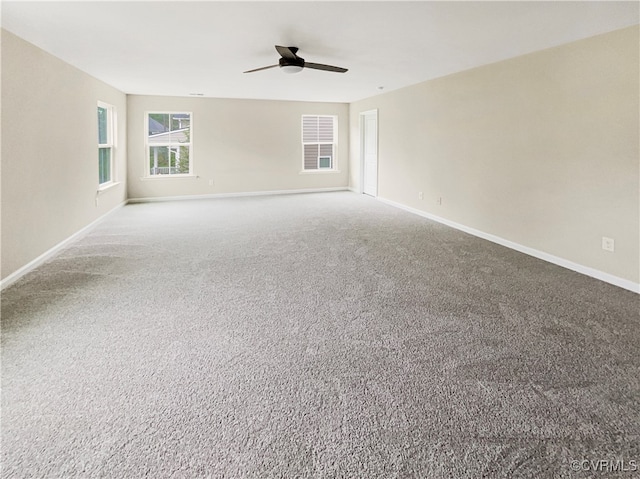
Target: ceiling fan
292, 63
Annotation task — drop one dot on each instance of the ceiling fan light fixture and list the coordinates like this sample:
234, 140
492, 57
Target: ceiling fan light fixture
291, 68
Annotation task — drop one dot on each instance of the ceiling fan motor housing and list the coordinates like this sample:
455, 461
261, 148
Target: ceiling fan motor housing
286, 62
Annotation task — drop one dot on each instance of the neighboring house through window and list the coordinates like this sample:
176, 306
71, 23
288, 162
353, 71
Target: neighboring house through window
168, 144
319, 142
106, 143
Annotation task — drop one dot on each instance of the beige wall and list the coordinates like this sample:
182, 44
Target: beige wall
541, 150
49, 151
242, 145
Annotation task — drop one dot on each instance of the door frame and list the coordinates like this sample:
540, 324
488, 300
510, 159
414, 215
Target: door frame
362, 159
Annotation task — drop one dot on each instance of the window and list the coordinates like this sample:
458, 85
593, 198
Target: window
168, 144
106, 143
319, 142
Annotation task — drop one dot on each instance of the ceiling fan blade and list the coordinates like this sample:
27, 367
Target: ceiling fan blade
263, 68
329, 68
287, 52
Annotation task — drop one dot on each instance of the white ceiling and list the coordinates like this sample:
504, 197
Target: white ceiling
178, 48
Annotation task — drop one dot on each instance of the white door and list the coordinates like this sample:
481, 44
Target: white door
369, 142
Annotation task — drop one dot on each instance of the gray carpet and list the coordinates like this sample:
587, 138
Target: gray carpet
312, 336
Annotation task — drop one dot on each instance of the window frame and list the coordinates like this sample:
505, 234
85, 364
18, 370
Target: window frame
147, 146
109, 145
334, 145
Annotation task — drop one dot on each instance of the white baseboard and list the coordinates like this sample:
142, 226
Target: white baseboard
594, 273
19, 273
235, 195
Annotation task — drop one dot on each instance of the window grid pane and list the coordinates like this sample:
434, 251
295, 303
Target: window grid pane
325, 129
103, 126
310, 129
310, 157
104, 165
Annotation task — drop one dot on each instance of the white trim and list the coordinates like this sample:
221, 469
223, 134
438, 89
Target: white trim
361, 119
319, 171
107, 186
234, 195
169, 177
578, 268
31, 265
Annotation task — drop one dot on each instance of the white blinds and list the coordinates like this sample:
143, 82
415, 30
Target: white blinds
310, 157
317, 129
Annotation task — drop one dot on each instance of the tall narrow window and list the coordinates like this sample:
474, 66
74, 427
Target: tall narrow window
168, 142
318, 142
106, 144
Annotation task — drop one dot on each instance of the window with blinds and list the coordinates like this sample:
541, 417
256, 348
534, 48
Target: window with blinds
318, 142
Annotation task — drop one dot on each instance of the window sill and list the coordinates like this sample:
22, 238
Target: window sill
170, 177
316, 172
107, 186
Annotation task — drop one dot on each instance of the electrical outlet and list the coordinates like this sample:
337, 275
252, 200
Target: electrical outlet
210, 182
439, 201
420, 195
608, 244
